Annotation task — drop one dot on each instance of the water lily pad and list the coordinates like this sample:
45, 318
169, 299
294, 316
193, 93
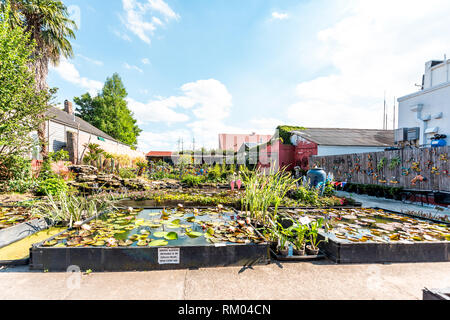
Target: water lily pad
50, 243
160, 234
99, 243
194, 234
158, 243
171, 236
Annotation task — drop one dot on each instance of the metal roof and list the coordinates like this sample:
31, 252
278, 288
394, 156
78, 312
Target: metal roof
348, 137
70, 120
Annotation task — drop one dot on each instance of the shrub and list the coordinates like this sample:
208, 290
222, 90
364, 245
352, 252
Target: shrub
126, 173
61, 155
22, 185
329, 190
52, 186
192, 180
15, 167
306, 196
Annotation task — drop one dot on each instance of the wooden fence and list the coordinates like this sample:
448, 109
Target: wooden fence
399, 168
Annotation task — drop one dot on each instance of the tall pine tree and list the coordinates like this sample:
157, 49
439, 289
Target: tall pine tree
109, 112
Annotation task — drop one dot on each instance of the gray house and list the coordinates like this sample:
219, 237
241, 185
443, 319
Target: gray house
64, 130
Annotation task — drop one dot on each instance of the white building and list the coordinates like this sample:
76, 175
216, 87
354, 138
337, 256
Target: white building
428, 109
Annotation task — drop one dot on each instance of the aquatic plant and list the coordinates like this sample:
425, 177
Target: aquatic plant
68, 209
265, 190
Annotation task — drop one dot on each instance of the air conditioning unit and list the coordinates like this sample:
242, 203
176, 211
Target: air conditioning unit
413, 134
401, 135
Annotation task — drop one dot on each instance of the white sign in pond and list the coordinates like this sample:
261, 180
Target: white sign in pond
169, 255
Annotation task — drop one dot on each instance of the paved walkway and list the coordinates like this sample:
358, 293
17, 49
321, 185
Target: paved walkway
393, 205
298, 281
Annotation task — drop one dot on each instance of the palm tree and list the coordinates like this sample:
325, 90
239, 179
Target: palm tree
49, 25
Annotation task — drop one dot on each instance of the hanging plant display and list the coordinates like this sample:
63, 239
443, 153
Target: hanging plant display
415, 167
443, 157
435, 170
406, 171
395, 162
381, 164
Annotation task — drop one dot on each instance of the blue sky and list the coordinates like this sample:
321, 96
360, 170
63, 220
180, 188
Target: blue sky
196, 68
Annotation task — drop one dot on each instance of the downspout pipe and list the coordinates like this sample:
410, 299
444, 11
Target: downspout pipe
422, 122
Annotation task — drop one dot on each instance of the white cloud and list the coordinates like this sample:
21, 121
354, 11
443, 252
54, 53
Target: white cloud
210, 104
279, 16
93, 61
69, 72
156, 111
379, 46
121, 35
145, 61
131, 67
140, 17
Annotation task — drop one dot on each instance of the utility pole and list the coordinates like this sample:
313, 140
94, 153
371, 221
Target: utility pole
384, 112
394, 116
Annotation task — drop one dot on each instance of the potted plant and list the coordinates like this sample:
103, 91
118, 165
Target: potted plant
283, 248
313, 233
299, 240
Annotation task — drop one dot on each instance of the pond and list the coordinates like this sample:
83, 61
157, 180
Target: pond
12, 216
375, 226
160, 227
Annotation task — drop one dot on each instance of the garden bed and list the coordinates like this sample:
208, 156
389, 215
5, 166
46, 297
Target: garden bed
191, 249
377, 236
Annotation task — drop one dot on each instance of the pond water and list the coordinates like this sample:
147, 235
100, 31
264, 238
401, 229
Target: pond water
157, 227
12, 216
375, 226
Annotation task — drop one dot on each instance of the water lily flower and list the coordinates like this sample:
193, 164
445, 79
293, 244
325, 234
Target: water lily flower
78, 224
86, 227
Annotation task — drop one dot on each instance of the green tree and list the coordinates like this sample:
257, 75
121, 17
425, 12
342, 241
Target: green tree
109, 111
20, 102
50, 28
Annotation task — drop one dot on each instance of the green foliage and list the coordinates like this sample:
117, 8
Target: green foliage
94, 154
263, 190
192, 180
61, 155
395, 162
46, 171
69, 209
142, 165
329, 190
306, 195
15, 167
381, 164
285, 133
127, 173
21, 105
109, 111
21, 185
52, 186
